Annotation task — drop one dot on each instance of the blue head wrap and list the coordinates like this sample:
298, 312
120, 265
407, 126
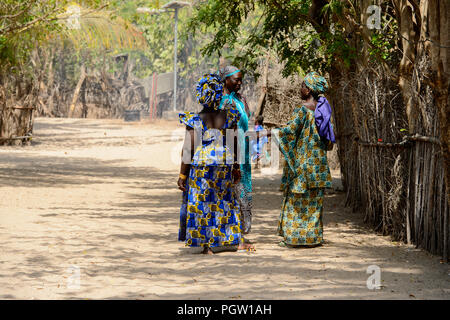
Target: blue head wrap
209, 90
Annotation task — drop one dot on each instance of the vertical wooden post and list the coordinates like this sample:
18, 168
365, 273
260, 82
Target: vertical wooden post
155, 97
150, 101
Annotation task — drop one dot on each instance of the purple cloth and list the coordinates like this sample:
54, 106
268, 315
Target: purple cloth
323, 119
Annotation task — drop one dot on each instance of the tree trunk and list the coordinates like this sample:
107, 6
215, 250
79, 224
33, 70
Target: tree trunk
262, 98
77, 90
405, 70
438, 15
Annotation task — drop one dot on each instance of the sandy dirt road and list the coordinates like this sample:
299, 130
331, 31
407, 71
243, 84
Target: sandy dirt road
90, 211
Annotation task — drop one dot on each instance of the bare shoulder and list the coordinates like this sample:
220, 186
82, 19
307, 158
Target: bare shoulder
309, 106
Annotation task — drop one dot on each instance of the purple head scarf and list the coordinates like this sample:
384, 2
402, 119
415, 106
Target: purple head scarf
323, 119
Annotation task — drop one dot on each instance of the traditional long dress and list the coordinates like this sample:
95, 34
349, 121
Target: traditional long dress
210, 213
243, 189
305, 176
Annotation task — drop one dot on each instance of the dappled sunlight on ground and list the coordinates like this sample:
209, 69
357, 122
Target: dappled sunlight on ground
101, 196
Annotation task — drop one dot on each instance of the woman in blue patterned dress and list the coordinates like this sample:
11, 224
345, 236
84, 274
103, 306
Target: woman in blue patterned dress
304, 142
210, 213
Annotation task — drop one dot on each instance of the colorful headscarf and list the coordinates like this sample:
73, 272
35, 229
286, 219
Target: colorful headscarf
209, 90
316, 82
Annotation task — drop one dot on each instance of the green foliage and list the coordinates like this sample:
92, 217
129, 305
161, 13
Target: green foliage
115, 27
241, 30
383, 42
333, 7
302, 41
102, 30
158, 31
25, 24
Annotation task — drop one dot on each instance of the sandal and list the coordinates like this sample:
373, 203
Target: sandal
247, 247
282, 244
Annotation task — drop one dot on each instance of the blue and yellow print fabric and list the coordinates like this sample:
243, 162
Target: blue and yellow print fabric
210, 209
210, 213
212, 151
305, 154
209, 90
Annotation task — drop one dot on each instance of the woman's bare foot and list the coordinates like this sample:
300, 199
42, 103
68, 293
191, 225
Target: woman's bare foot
207, 250
246, 246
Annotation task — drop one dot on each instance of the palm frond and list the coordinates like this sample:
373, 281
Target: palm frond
101, 29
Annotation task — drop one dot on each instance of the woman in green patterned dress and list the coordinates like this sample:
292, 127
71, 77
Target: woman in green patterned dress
304, 142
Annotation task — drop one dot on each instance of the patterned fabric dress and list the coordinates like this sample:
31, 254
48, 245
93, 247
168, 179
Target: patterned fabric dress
210, 213
243, 189
305, 176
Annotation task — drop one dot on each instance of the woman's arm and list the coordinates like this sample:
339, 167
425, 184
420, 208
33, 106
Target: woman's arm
247, 108
236, 171
188, 149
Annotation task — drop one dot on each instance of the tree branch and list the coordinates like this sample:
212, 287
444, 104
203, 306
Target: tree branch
30, 3
21, 28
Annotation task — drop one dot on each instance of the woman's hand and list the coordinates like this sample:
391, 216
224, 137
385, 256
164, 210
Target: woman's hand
268, 134
181, 184
236, 173
330, 146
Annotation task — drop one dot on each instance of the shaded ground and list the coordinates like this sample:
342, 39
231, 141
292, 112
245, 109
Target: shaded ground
100, 195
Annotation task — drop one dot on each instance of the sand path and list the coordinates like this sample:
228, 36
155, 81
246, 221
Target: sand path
98, 198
